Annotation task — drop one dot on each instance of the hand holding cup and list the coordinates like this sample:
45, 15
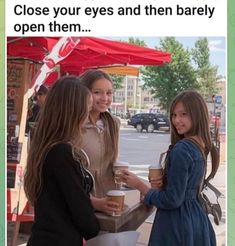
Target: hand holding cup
135, 182
118, 198
104, 205
118, 169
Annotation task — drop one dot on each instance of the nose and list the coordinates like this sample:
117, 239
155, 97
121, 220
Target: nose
176, 119
104, 97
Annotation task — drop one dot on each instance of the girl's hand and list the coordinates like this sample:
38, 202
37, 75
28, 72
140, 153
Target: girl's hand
104, 205
130, 179
135, 182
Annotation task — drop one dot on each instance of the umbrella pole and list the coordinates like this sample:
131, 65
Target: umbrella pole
125, 102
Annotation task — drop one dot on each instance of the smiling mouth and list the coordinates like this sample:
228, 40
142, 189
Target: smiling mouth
179, 128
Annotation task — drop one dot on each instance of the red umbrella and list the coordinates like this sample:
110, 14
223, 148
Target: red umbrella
89, 52
93, 52
33, 48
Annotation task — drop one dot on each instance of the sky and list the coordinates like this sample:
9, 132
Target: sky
217, 46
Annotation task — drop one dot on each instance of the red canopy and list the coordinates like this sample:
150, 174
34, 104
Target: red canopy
89, 52
33, 48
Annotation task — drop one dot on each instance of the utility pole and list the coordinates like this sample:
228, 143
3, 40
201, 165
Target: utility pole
140, 99
125, 102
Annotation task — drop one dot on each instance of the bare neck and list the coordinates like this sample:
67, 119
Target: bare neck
94, 116
199, 140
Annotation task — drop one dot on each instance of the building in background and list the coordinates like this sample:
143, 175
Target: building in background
132, 98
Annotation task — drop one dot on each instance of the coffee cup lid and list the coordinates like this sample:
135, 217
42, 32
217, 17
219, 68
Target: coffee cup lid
155, 167
115, 193
121, 163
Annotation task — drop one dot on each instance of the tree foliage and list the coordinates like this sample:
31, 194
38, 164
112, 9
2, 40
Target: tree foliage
117, 81
137, 41
166, 81
206, 73
201, 53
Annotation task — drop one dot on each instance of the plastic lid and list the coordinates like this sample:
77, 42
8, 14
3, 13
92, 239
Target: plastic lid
115, 193
121, 163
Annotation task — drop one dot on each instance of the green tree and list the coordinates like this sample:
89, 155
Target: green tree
117, 81
201, 53
166, 81
137, 41
206, 73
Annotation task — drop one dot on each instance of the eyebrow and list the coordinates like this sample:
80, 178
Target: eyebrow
99, 89
181, 111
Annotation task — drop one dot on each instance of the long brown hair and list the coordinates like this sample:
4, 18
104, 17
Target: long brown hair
60, 120
88, 78
196, 107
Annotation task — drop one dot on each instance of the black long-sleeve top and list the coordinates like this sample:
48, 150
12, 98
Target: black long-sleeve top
63, 211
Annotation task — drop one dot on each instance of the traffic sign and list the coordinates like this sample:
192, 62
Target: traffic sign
218, 100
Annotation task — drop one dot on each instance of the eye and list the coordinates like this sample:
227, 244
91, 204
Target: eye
109, 93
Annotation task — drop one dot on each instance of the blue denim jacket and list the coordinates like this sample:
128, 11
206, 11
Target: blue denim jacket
180, 219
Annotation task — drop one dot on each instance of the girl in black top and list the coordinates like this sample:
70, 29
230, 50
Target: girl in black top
56, 182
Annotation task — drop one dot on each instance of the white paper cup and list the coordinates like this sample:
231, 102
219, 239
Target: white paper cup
120, 165
118, 168
118, 197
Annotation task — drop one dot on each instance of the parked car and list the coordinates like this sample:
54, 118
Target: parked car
149, 122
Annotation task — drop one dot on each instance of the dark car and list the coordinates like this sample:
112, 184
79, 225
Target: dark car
149, 122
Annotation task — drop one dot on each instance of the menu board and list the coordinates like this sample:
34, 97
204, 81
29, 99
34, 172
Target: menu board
20, 74
13, 152
19, 78
15, 91
11, 175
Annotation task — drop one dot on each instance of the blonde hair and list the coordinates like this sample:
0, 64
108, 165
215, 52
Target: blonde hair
196, 107
60, 121
111, 134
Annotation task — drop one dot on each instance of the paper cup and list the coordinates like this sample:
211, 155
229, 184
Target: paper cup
155, 173
118, 197
118, 168
120, 165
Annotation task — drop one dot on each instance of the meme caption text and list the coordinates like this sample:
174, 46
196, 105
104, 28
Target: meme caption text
58, 18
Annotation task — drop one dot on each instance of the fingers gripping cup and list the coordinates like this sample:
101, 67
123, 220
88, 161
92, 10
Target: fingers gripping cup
118, 197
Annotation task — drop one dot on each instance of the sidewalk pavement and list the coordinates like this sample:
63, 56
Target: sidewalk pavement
124, 123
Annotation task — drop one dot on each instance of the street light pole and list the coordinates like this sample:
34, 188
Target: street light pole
140, 99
